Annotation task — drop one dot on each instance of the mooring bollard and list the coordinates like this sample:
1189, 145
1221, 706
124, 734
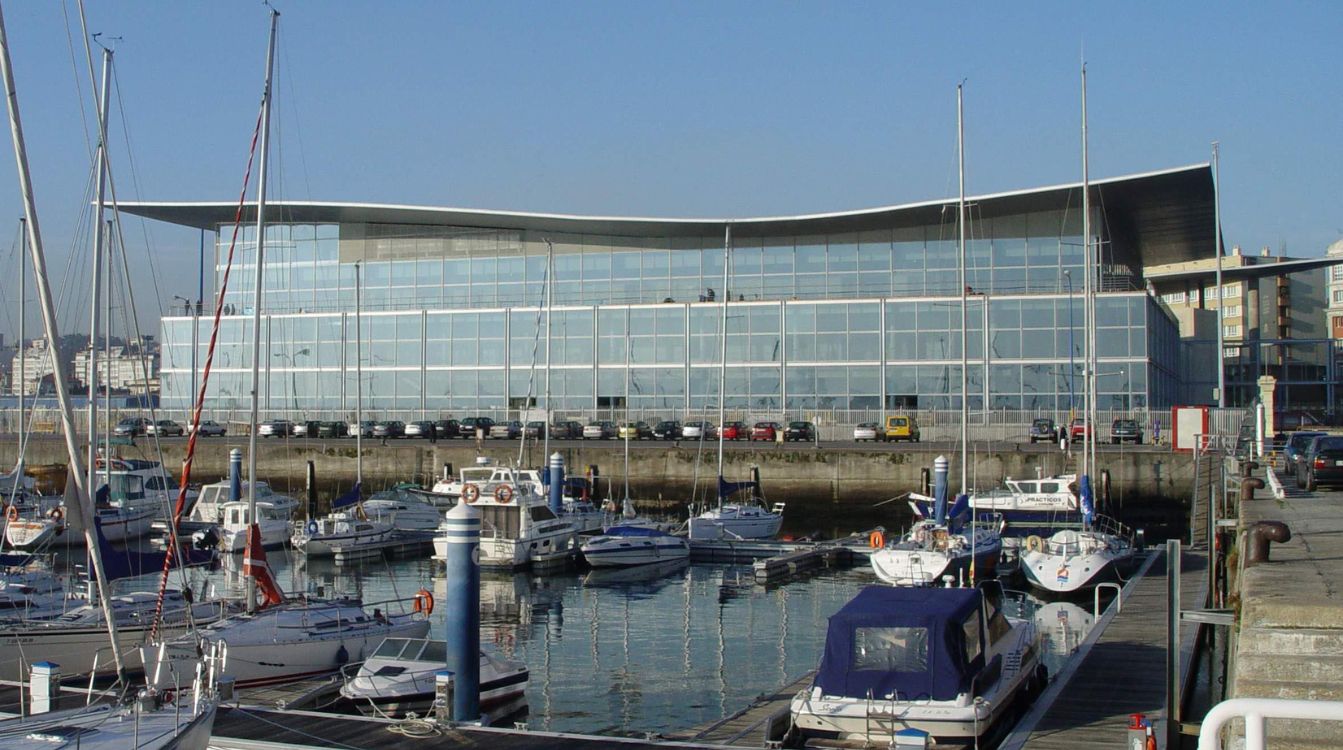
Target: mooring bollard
235, 474
556, 482
443, 695
44, 687
1258, 538
1248, 486
462, 608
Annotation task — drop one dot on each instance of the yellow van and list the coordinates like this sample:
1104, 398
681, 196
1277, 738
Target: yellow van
902, 427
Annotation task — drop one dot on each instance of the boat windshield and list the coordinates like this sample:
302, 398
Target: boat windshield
477, 475
413, 649
890, 649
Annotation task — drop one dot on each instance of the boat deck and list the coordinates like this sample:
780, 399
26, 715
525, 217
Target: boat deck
1120, 670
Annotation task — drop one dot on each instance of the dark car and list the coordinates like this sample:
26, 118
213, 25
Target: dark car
510, 430
1044, 429
1125, 431
800, 432
1297, 443
667, 429
1321, 464
566, 430
735, 431
1079, 431
446, 428
467, 428
535, 429
131, 426
389, 428
766, 431
332, 429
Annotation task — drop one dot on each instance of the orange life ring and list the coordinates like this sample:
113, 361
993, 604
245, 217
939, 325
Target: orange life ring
470, 493
167, 696
504, 494
877, 540
424, 602
56, 515
12, 514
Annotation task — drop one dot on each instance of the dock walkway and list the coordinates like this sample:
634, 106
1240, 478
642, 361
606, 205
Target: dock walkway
1122, 672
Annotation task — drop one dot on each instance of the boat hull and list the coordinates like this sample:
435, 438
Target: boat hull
731, 523
1064, 575
905, 567
638, 551
25, 535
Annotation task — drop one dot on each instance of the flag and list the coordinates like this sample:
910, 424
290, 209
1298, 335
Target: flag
254, 564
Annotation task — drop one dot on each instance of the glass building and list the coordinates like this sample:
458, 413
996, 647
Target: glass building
846, 312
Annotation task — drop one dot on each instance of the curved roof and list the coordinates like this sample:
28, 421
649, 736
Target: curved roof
1166, 215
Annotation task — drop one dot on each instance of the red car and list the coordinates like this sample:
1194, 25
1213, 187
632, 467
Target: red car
1079, 431
735, 431
766, 431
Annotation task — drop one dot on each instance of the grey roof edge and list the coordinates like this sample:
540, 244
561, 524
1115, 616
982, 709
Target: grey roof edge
1254, 271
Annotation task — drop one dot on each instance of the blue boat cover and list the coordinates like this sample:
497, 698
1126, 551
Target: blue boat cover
904, 642
727, 489
130, 563
348, 499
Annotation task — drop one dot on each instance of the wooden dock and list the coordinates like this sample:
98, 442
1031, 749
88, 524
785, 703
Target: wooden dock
313, 694
1120, 668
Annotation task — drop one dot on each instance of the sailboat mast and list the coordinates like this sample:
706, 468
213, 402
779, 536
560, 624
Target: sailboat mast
550, 364
108, 277
91, 379
358, 375
960, 225
76, 471
22, 348
257, 283
1088, 287
722, 361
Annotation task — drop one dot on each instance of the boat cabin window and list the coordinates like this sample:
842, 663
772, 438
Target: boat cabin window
503, 520
435, 651
542, 513
125, 487
974, 644
1050, 487
391, 648
890, 649
1026, 487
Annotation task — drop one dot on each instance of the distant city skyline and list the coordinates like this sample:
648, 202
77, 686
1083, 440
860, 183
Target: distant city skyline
688, 109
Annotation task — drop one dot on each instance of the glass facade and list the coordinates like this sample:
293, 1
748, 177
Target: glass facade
453, 322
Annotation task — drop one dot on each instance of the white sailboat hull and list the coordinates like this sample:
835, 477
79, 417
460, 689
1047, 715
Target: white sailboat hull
1068, 574
735, 522
107, 728
612, 552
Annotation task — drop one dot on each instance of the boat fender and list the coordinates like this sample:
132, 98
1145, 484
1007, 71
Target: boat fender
470, 493
312, 527
342, 656
1034, 544
12, 514
424, 602
56, 515
504, 494
876, 540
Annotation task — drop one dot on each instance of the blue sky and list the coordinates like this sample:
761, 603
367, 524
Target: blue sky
674, 109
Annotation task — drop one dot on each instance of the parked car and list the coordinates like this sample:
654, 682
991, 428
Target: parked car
865, 431
1044, 429
211, 428
131, 427
599, 430
467, 427
1321, 464
1125, 431
800, 432
446, 428
766, 431
275, 428
164, 428
1297, 443
534, 429
697, 430
306, 429
421, 429
360, 429
332, 429
901, 427
735, 431
667, 429
389, 428
509, 430
1080, 430
635, 431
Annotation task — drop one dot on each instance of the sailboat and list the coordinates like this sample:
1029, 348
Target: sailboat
631, 540
951, 544
1072, 560
281, 639
740, 519
148, 720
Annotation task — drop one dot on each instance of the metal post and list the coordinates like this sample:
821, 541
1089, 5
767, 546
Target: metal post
1172, 643
91, 379
556, 482
22, 348
462, 605
196, 316
1217, 250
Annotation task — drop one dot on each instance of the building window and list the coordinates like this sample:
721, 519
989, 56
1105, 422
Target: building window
1231, 290
1231, 331
1338, 296
1173, 297
1337, 271
1231, 311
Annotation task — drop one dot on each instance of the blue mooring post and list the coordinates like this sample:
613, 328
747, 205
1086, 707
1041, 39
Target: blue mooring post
462, 607
940, 465
235, 474
556, 482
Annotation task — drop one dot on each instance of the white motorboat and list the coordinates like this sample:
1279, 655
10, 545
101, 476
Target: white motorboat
517, 529
1073, 561
321, 537
120, 520
485, 476
634, 544
141, 482
209, 508
943, 661
399, 678
276, 529
931, 551
78, 637
1029, 506
406, 511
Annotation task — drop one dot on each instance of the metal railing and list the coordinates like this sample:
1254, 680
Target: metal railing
1256, 712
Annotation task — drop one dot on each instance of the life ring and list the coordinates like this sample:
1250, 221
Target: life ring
1034, 544
424, 602
312, 527
876, 540
470, 493
12, 514
167, 696
504, 494
56, 515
